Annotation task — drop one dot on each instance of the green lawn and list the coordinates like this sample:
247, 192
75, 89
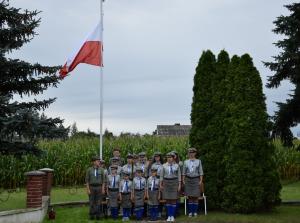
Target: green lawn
290, 191
282, 214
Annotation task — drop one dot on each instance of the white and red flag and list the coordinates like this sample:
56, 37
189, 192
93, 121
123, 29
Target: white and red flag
89, 52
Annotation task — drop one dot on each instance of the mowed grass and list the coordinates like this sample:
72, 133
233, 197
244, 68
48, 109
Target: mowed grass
282, 214
290, 191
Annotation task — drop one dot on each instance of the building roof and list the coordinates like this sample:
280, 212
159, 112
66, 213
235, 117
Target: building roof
173, 130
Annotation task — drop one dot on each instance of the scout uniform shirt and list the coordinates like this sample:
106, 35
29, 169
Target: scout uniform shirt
125, 186
113, 181
170, 171
158, 166
192, 168
139, 183
128, 169
95, 176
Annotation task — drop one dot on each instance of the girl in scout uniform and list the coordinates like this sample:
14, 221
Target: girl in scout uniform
192, 180
170, 183
153, 193
113, 184
130, 167
143, 164
157, 162
125, 197
138, 194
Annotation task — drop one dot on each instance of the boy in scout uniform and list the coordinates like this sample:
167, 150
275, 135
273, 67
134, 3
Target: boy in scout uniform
138, 194
113, 184
143, 164
125, 197
153, 193
95, 185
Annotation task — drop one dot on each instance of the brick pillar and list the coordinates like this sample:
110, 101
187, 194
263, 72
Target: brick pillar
34, 188
48, 179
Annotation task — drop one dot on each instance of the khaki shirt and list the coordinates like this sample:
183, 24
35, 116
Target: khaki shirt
94, 176
170, 171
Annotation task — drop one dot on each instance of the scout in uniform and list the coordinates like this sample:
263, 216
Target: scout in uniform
116, 154
138, 193
170, 183
153, 194
95, 184
125, 197
180, 163
113, 185
115, 161
192, 180
130, 167
157, 162
143, 164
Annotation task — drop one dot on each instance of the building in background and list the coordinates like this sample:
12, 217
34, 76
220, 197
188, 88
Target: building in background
172, 130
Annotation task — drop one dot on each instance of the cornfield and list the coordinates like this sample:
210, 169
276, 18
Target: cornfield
288, 160
70, 158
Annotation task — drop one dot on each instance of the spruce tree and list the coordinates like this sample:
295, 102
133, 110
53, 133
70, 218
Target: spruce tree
287, 67
20, 124
251, 182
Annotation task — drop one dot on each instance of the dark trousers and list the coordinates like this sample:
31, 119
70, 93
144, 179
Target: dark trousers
95, 199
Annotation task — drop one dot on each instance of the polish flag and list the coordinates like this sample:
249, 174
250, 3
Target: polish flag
90, 52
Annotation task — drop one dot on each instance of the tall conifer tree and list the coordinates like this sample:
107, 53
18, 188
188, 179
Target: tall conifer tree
287, 67
251, 182
20, 124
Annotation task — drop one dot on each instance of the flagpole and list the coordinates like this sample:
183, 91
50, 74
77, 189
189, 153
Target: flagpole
101, 78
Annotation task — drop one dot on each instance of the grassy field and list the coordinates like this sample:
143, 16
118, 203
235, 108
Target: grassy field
290, 191
283, 214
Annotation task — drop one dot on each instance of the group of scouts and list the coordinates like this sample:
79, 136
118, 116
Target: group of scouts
140, 180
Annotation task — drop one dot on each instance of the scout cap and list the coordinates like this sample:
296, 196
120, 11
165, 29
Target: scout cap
192, 150
117, 149
125, 173
138, 169
94, 158
157, 153
134, 156
153, 168
129, 156
114, 167
142, 154
115, 159
170, 154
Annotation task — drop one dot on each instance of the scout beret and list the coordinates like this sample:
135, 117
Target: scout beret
129, 155
117, 149
142, 154
138, 169
192, 150
157, 153
115, 159
170, 154
153, 168
113, 167
94, 158
125, 173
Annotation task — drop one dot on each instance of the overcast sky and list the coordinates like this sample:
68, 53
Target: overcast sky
151, 49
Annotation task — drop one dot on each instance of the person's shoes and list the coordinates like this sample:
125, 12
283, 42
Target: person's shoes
159, 215
124, 219
169, 218
127, 218
172, 219
190, 215
195, 214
